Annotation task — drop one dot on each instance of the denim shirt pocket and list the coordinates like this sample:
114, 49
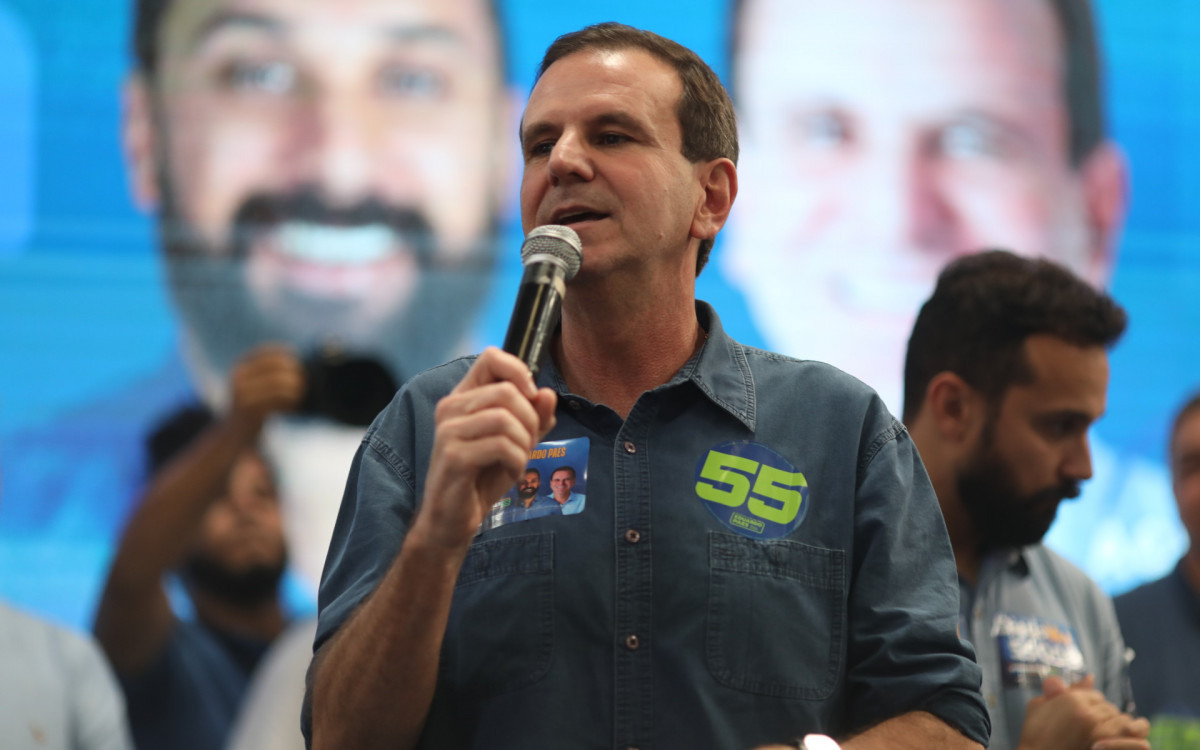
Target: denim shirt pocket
776, 617
500, 634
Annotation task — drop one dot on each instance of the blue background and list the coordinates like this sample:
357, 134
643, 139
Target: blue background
83, 307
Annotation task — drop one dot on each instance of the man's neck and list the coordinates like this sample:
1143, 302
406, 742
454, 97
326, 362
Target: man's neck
263, 621
613, 348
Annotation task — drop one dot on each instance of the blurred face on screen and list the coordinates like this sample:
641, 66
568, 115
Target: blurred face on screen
882, 138
325, 171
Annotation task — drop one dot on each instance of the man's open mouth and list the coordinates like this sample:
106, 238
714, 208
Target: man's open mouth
578, 217
334, 245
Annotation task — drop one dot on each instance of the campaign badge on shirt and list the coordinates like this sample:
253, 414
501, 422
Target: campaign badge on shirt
1032, 649
554, 484
752, 490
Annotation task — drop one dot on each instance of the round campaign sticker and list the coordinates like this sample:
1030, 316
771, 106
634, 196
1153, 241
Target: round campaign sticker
752, 489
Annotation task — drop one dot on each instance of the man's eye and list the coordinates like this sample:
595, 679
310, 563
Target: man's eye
541, 148
824, 130
408, 81
968, 140
272, 77
612, 139
1060, 428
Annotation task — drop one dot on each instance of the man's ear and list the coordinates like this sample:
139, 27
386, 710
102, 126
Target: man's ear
956, 411
1105, 178
139, 139
718, 179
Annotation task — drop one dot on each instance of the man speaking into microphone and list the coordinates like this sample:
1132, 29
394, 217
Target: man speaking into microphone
761, 555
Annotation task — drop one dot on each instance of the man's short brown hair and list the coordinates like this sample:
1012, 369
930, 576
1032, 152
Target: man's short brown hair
706, 119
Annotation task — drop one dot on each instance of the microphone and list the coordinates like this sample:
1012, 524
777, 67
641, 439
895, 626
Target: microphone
551, 255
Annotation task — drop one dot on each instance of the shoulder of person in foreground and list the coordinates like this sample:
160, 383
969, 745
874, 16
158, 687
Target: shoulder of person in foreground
51, 674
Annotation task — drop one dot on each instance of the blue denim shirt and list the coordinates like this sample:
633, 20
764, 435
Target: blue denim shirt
761, 556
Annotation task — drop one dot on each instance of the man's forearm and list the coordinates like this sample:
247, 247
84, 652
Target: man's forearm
917, 730
375, 679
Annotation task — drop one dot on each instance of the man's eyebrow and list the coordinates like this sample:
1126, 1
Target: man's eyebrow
408, 33
604, 119
535, 132
396, 33
227, 20
1075, 416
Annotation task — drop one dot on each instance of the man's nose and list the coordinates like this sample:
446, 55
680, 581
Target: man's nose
570, 159
898, 201
338, 146
1077, 463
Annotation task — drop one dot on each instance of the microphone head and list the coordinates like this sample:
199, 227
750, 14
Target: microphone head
554, 243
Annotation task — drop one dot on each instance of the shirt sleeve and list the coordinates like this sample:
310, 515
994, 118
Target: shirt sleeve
374, 518
97, 707
905, 653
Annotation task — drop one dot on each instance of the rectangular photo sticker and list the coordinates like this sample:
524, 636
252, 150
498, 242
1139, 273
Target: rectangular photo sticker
554, 484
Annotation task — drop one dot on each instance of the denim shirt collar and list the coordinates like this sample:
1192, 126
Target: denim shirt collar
719, 369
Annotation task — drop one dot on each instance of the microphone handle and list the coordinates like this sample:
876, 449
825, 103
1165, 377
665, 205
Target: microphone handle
535, 313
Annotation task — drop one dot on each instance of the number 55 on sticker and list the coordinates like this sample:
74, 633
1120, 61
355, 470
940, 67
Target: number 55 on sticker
752, 489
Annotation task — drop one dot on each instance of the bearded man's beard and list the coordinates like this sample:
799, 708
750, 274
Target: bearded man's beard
1001, 515
211, 290
255, 585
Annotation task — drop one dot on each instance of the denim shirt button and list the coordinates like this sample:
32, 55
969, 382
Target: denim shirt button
632, 536
632, 642
630, 447
575, 405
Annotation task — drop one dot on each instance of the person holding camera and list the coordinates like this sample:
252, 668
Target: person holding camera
211, 514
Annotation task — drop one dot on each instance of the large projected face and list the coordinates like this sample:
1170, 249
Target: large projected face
882, 138
325, 172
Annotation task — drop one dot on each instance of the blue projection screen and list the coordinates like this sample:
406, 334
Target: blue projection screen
870, 156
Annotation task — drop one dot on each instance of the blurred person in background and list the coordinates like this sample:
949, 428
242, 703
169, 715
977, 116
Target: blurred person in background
323, 174
883, 138
1161, 619
1007, 368
211, 514
56, 690
329, 175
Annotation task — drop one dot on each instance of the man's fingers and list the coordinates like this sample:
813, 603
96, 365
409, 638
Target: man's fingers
1121, 725
1088, 682
1053, 686
501, 395
495, 421
494, 365
544, 404
268, 378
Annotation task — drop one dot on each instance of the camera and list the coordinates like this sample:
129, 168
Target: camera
345, 387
